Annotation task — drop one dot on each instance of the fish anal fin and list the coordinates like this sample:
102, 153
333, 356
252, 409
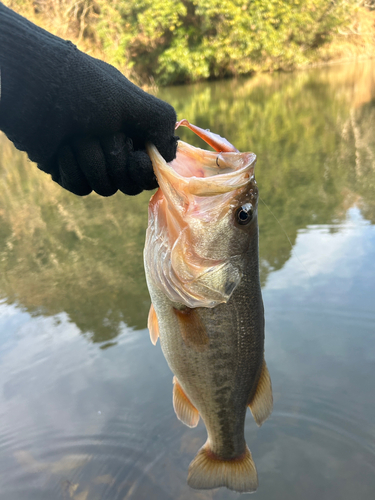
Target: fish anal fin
185, 410
192, 329
261, 403
208, 471
153, 325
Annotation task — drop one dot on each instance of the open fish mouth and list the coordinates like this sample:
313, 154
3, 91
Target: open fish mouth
189, 241
203, 173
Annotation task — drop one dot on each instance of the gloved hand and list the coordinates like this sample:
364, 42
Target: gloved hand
106, 122
79, 118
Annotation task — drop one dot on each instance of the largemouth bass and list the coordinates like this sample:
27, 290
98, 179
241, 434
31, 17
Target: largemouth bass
202, 271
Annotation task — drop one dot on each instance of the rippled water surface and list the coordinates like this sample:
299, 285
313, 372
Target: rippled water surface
86, 399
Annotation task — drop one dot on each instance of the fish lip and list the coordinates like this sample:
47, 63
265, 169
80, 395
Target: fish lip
207, 185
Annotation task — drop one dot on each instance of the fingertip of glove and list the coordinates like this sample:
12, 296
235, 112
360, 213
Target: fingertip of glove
174, 143
153, 184
140, 171
167, 147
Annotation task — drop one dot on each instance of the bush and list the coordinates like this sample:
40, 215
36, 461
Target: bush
190, 40
179, 41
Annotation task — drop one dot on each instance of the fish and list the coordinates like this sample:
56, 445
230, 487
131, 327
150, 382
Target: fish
202, 270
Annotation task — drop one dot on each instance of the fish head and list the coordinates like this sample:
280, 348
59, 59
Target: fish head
202, 220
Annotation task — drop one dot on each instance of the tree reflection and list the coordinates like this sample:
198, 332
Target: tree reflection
312, 132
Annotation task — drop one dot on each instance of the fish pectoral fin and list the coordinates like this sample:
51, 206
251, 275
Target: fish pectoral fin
192, 329
261, 403
153, 325
184, 409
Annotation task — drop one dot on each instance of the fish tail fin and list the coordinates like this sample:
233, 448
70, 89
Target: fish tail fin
207, 471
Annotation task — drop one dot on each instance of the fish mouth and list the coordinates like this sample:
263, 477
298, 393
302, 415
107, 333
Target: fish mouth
190, 223
202, 173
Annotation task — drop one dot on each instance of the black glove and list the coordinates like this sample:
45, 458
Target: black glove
79, 118
104, 122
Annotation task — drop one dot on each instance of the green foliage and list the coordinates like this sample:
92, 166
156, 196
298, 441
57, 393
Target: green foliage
190, 40
179, 41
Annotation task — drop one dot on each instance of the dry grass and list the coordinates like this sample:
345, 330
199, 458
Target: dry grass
357, 41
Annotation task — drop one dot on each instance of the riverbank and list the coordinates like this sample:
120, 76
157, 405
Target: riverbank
167, 42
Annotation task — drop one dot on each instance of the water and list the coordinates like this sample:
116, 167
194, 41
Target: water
86, 399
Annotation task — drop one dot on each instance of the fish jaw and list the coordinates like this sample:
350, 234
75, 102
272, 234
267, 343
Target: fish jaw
214, 140
191, 223
197, 172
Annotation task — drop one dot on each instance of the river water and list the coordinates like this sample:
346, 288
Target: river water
86, 399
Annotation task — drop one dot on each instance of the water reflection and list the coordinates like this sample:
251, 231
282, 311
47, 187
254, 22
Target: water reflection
313, 133
61, 253
77, 420
80, 420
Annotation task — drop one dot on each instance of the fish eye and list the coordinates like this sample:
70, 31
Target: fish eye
244, 214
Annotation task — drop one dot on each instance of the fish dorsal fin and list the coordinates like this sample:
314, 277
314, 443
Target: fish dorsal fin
153, 325
185, 410
261, 403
